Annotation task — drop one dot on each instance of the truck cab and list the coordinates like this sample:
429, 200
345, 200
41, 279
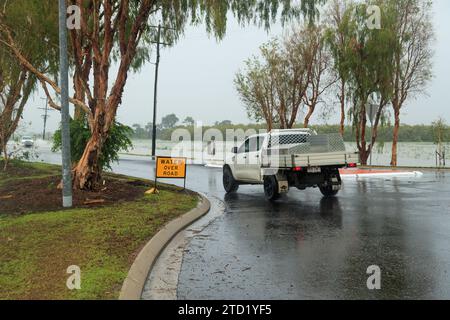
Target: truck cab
283, 159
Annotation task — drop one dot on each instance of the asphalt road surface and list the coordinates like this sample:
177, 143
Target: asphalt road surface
307, 247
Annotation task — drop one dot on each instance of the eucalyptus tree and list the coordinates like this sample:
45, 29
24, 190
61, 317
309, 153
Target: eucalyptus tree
322, 77
274, 86
122, 32
338, 38
15, 89
440, 137
256, 86
368, 62
413, 56
17, 82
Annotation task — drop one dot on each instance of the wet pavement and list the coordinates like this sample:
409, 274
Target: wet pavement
307, 247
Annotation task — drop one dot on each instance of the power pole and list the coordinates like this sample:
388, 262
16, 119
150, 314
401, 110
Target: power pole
155, 97
65, 117
45, 116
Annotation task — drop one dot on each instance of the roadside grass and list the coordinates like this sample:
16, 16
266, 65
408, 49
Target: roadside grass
22, 171
37, 248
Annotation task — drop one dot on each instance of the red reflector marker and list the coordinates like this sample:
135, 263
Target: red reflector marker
352, 165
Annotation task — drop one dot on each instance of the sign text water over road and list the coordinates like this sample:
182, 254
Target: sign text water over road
171, 168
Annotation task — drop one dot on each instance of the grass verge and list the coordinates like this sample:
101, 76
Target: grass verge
37, 248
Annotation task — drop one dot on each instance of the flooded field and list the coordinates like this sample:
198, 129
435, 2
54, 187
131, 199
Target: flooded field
409, 153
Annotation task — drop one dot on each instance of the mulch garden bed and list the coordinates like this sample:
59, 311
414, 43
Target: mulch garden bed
42, 194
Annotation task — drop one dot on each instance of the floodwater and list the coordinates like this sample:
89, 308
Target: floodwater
410, 154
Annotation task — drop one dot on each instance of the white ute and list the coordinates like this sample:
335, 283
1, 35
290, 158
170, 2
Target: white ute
27, 142
283, 159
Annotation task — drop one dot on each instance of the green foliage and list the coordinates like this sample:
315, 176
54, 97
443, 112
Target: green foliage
139, 132
169, 121
35, 29
29, 30
117, 141
224, 123
272, 86
189, 121
175, 15
408, 133
441, 131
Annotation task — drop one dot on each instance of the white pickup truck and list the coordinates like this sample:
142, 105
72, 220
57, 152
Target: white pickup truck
283, 159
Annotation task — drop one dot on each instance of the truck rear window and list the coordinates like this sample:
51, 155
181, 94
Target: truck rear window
288, 139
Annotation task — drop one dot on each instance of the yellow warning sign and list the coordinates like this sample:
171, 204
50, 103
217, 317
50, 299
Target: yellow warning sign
170, 168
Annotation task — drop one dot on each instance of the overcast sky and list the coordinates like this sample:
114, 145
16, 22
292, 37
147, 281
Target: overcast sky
196, 79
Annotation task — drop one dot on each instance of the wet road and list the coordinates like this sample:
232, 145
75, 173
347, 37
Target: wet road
307, 247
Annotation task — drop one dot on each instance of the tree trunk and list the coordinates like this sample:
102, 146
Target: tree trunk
3, 144
364, 155
342, 100
80, 95
87, 173
360, 125
394, 160
308, 116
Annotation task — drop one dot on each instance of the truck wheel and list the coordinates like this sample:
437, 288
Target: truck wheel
328, 191
230, 185
271, 188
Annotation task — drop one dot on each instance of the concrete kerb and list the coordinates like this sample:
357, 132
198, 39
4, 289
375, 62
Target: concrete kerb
134, 283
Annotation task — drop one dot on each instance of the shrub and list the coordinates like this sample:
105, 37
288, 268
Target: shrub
118, 140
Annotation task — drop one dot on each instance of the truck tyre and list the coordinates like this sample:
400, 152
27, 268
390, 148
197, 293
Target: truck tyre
229, 183
271, 188
328, 191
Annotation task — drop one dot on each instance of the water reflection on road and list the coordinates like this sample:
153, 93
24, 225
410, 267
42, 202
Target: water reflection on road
307, 247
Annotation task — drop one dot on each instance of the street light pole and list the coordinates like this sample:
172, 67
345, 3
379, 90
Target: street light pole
155, 97
65, 117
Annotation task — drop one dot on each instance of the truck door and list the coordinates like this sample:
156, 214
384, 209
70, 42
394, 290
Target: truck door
252, 168
241, 160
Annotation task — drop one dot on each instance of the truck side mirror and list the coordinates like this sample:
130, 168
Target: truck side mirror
235, 150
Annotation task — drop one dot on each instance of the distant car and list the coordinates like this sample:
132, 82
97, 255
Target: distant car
27, 142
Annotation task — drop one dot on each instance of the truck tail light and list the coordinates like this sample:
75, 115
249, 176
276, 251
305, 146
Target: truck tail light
297, 169
352, 165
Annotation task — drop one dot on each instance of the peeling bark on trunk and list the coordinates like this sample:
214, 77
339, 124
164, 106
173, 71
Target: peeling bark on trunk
87, 173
